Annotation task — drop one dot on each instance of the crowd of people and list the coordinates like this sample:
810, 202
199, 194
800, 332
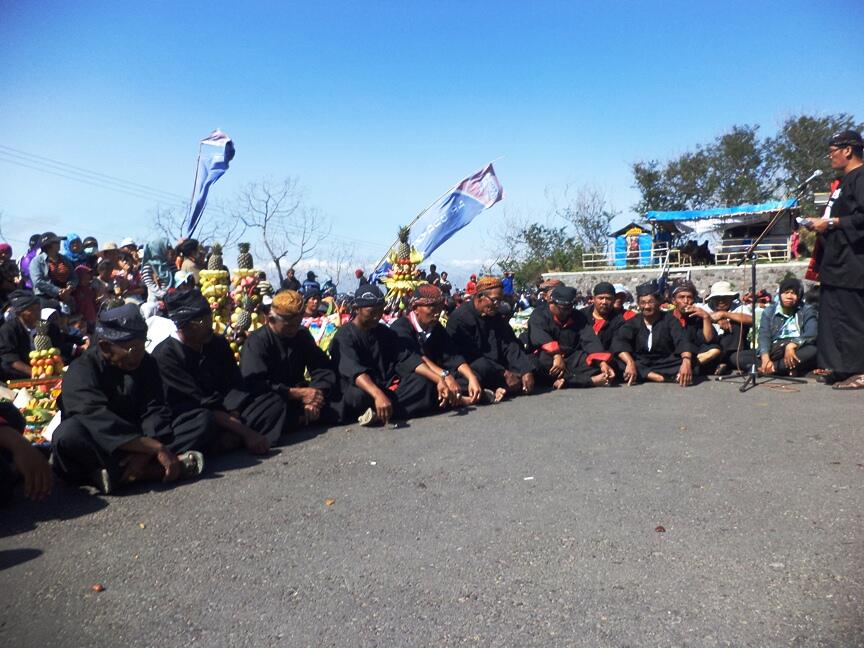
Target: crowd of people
132, 415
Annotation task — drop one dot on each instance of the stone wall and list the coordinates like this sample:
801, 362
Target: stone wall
768, 276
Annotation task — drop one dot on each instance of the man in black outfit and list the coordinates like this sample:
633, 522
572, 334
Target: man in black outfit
422, 333
16, 337
486, 340
116, 426
841, 269
276, 357
652, 345
380, 378
570, 353
199, 373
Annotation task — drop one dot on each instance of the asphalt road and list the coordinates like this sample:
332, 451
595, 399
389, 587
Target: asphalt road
536, 522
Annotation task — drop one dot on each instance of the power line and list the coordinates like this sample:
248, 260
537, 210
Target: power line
100, 180
71, 168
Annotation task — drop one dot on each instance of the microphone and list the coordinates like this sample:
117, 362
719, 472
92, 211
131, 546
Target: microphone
813, 176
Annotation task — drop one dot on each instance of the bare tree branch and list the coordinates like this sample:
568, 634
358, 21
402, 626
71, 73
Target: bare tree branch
286, 227
588, 212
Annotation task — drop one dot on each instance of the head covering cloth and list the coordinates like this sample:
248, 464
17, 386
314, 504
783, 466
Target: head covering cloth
156, 256
121, 324
287, 303
186, 305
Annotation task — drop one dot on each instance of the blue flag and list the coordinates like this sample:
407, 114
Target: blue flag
470, 197
217, 150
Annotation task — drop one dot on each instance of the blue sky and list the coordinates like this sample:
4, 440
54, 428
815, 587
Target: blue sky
378, 107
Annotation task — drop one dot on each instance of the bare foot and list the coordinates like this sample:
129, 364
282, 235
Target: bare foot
655, 377
558, 384
500, 393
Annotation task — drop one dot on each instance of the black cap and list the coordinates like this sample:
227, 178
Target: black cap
48, 238
21, 299
121, 324
368, 295
791, 283
846, 138
648, 288
186, 305
311, 276
604, 288
563, 295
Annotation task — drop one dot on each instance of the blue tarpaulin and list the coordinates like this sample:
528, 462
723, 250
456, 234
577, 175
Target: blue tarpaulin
720, 212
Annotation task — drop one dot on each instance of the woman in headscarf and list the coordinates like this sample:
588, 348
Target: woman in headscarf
73, 249
157, 272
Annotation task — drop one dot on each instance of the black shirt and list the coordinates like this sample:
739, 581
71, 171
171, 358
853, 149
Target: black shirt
376, 353
491, 338
546, 333
272, 363
437, 346
666, 334
843, 253
209, 379
116, 406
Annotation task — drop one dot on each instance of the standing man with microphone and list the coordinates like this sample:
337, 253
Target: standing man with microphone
841, 301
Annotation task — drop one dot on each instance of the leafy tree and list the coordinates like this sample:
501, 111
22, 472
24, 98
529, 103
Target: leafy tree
535, 249
735, 168
800, 146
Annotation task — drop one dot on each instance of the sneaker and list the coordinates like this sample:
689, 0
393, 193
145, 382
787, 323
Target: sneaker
192, 463
367, 418
102, 481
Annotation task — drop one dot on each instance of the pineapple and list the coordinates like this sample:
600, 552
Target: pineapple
244, 319
215, 262
244, 259
403, 250
42, 341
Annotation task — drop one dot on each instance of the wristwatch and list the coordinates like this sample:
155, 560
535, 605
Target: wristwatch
444, 373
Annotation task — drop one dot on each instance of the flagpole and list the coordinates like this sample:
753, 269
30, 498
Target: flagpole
192, 198
418, 216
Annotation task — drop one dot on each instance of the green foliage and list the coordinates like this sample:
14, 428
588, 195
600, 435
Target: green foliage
542, 249
800, 148
739, 167
735, 168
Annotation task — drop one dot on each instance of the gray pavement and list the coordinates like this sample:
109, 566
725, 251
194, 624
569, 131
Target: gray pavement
530, 523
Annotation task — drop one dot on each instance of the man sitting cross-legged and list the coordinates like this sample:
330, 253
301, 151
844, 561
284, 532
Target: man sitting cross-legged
421, 332
380, 379
486, 340
569, 351
276, 358
732, 322
652, 345
200, 374
116, 426
606, 320
697, 325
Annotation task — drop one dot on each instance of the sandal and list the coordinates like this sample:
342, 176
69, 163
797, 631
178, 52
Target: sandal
853, 382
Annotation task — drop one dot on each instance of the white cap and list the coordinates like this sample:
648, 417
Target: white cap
126, 242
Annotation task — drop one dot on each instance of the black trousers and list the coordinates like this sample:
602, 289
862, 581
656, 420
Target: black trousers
7, 479
490, 374
415, 396
841, 330
666, 366
268, 415
8, 372
806, 354
577, 374
77, 454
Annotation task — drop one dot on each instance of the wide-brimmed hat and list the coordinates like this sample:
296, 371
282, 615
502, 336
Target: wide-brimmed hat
128, 242
721, 289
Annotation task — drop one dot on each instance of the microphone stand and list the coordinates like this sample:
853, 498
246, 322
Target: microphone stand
752, 379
